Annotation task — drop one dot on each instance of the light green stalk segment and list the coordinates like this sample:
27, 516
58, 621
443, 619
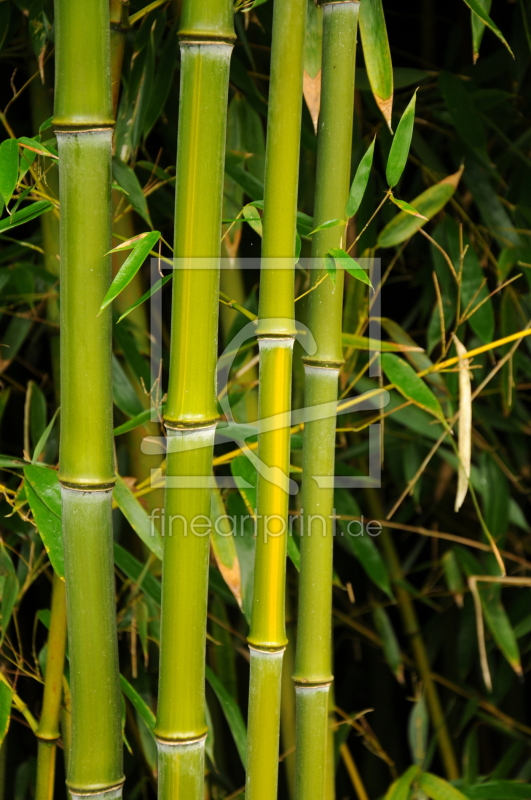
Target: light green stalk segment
95, 762
48, 730
263, 725
199, 187
206, 35
377, 55
312, 732
82, 63
86, 388
282, 168
313, 664
181, 703
180, 769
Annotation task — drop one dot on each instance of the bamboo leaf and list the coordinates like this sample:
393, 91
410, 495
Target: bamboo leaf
36, 147
359, 184
403, 206
6, 695
141, 246
41, 444
399, 790
377, 55
477, 7
478, 27
138, 573
439, 789
464, 436
346, 262
44, 497
8, 168
223, 546
244, 474
429, 203
391, 648
126, 178
466, 119
138, 703
401, 143
410, 385
364, 343
358, 542
498, 790
124, 395
135, 422
25, 214
153, 290
452, 576
251, 214
232, 713
331, 268
137, 517
330, 223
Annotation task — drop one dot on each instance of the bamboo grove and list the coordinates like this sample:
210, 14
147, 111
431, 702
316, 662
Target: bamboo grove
265, 532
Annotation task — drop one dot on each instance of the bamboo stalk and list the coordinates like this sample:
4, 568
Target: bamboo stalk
313, 666
48, 730
275, 329
83, 121
206, 34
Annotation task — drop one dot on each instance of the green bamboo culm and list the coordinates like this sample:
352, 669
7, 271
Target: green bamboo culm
48, 730
206, 39
83, 123
276, 331
313, 664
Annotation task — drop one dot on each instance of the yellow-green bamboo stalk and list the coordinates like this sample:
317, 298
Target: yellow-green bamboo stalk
83, 122
48, 730
206, 35
276, 329
313, 667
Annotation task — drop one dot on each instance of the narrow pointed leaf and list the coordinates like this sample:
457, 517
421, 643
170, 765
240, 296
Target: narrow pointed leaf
130, 267
47, 522
410, 385
377, 55
8, 168
361, 179
36, 147
391, 648
344, 261
465, 426
232, 713
477, 7
438, 789
6, 695
404, 206
154, 289
138, 703
25, 214
399, 790
41, 444
137, 516
401, 143
126, 178
429, 203
330, 223
224, 547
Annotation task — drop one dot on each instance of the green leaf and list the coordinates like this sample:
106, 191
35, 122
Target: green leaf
137, 516
364, 343
498, 790
391, 648
9, 599
438, 789
399, 790
8, 168
138, 573
401, 143
251, 214
377, 55
403, 206
362, 546
232, 713
222, 540
465, 117
244, 474
359, 184
141, 246
124, 395
477, 7
44, 497
6, 695
331, 267
429, 203
478, 28
25, 214
126, 178
36, 147
154, 289
410, 385
138, 703
344, 261
41, 444
330, 223
135, 422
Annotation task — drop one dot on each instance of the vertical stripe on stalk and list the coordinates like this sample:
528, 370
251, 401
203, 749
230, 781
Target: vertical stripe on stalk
206, 34
83, 119
313, 663
275, 330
